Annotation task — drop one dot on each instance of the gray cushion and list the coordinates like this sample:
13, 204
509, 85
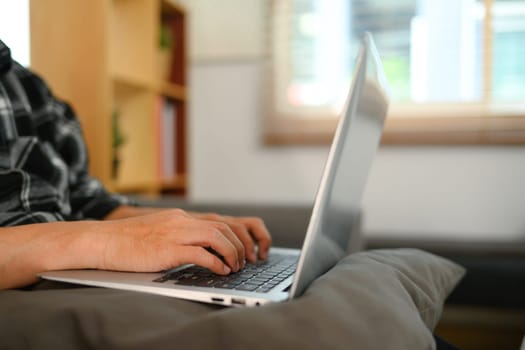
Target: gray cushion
389, 299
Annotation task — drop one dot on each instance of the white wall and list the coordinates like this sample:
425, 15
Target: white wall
448, 192
226, 29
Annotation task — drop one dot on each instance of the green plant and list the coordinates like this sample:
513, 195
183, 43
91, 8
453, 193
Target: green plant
166, 39
119, 138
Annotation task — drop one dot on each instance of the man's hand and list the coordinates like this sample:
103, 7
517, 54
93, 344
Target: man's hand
157, 239
251, 231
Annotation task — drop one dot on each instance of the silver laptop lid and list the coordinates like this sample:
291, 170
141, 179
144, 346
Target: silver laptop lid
338, 201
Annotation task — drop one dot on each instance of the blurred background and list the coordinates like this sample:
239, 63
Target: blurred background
433, 53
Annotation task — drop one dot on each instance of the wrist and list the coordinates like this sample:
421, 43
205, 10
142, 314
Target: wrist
127, 211
77, 245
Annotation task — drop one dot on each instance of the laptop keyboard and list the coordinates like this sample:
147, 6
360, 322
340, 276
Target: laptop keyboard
261, 276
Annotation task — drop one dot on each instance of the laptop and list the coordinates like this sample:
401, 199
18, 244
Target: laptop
287, 272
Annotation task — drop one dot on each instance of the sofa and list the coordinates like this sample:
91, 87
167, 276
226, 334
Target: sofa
385, 296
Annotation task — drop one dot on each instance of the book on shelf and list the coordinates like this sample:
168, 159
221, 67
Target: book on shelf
166, 139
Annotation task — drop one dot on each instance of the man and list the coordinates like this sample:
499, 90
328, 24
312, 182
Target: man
54, 215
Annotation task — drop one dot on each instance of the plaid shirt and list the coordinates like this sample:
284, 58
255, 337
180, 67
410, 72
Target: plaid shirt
43, 159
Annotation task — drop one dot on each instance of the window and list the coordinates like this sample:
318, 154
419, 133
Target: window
455, 68
14, 28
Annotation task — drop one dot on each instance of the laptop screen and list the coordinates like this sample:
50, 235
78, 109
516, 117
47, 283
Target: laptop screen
338, 201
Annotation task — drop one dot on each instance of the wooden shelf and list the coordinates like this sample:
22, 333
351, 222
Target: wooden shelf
177, 183
170, 7
124, 80
103, 56
174, 91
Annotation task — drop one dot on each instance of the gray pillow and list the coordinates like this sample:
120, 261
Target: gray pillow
384, 299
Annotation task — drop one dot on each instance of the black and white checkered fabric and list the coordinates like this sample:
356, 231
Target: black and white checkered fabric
43, 159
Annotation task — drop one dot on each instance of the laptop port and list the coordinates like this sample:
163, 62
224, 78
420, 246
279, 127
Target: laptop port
217, 300
238, 301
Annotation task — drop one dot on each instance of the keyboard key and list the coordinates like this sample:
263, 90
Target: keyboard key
185, 282
263, 289
258, 280
266, 274
161, 279
247, 287
205, 283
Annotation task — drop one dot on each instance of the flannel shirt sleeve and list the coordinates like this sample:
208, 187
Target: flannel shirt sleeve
43, 157
88, 198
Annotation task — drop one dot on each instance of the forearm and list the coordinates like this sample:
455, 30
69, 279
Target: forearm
28, 250
127, 211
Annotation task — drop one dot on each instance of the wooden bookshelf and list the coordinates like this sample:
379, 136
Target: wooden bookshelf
103, 56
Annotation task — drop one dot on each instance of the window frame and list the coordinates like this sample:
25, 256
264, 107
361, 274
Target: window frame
444, 124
